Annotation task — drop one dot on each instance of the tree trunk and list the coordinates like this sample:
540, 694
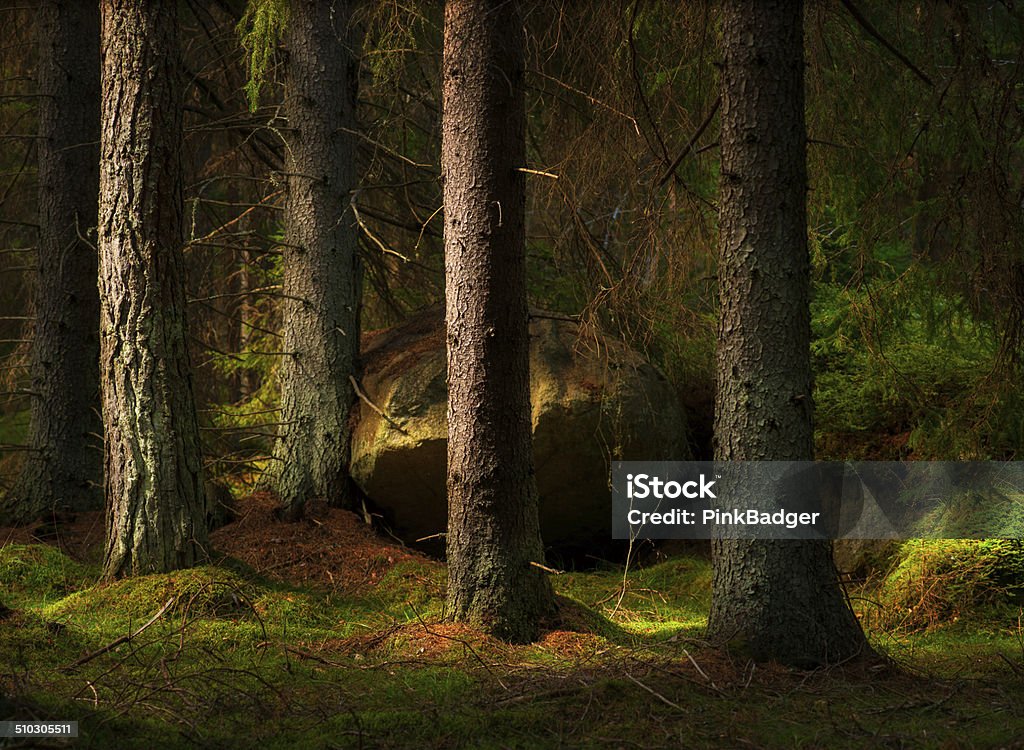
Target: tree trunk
156, 507
777, 599
64, 469
493, 529
321, 272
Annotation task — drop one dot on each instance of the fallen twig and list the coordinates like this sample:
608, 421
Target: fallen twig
697, 667
123, 639
655, 693
546, 569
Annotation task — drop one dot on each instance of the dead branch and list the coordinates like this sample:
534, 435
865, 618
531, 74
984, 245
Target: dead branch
123, 639
380, 412
865, 24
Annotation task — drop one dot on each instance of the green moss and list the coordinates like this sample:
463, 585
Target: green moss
283, 672
29, 641
579, 618
202, 591
412, 588
937, 583
657, 601
39, 573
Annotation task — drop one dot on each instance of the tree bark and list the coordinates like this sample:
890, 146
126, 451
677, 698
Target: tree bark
63, 471
321, 270
775, 599
493, 528
156, 507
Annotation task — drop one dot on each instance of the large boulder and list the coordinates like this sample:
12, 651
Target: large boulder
593, 400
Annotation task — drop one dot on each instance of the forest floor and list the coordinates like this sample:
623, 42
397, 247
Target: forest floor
322, 634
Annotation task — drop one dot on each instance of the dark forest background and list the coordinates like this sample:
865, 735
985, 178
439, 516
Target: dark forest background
915, 203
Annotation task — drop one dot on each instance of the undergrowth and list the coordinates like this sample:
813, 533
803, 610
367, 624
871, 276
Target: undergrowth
903, 371
938, 583
235, 659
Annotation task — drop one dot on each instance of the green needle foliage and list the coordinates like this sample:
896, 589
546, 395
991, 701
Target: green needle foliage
937, 583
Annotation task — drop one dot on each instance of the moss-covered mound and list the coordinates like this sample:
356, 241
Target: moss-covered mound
39, 572
204, 591
935, 583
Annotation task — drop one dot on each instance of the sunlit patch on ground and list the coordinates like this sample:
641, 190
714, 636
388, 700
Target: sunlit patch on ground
332, 637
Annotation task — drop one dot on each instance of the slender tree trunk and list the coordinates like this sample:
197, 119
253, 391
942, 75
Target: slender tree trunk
156, 507
321, 272
64, 470
778, 600
493, 529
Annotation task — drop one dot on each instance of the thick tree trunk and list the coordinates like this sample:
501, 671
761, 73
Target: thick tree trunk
493, 529
321, 272
778, 600
156, 507
64, 469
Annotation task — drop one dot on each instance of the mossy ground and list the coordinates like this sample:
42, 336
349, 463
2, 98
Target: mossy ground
934, 584
241, 659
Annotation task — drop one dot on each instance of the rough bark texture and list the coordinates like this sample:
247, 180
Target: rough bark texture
777, 600
156, 507
321, 273
64, 469
493, 531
